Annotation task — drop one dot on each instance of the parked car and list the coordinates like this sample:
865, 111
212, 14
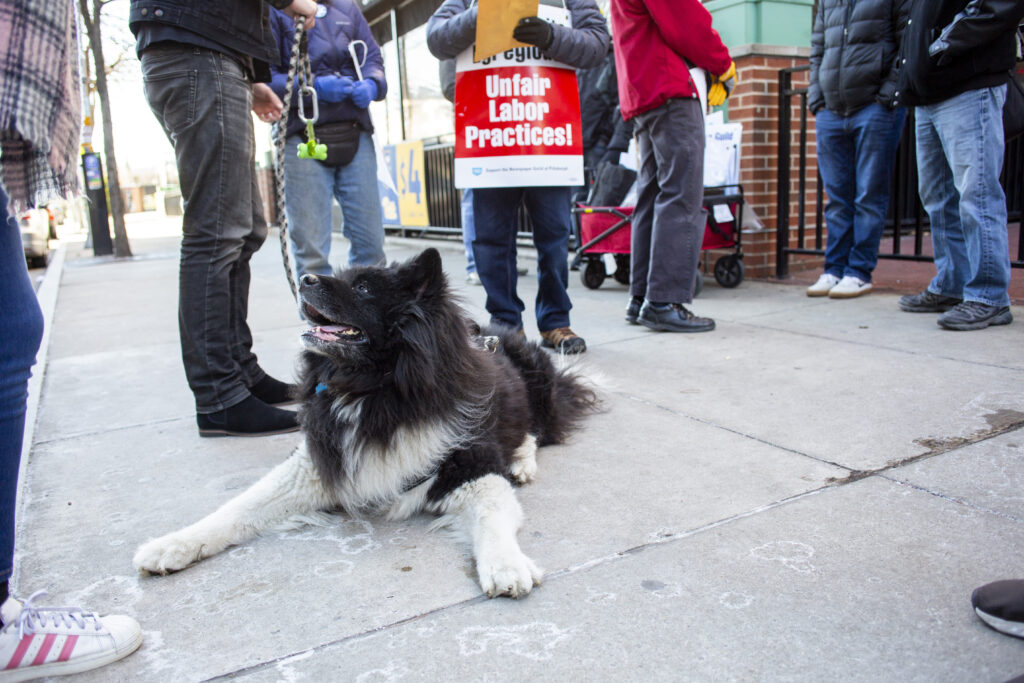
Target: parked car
35, 227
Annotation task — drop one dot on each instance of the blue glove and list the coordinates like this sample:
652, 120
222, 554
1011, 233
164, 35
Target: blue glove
364, 92
332, 88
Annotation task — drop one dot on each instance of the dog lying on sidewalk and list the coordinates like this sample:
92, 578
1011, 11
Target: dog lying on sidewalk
405, 408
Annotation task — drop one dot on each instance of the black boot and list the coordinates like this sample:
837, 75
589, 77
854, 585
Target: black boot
273, 392
251, 417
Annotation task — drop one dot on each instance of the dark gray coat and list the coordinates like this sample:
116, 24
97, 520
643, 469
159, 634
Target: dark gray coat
452, 29
853, 53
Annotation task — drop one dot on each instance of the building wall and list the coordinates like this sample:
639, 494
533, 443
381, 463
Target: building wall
763, 37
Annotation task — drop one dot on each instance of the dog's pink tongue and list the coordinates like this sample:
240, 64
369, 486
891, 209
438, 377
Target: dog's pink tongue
328, 332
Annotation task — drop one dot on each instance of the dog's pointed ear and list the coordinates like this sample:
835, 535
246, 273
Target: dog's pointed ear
426, 273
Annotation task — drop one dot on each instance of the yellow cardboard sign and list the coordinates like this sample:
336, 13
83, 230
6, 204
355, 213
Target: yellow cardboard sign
495, 21
412, 191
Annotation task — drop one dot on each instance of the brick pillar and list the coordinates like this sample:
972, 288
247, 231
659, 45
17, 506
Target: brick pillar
755, 104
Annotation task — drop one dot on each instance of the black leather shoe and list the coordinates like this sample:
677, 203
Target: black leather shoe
927, 302
1001, 605
672, 318
273, 392
251, 417
974, 315
633, 309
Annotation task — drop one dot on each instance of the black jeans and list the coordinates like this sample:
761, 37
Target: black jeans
669, 219
203, 101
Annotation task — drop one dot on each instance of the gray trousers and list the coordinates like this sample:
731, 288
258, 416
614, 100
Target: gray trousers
669, 219
203, 100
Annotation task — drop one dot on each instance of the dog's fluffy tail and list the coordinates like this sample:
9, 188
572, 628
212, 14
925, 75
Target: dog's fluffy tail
575, 394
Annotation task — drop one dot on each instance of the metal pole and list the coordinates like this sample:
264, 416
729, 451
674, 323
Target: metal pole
401, 71
782, 184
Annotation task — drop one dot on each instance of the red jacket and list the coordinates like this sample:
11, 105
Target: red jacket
653, 40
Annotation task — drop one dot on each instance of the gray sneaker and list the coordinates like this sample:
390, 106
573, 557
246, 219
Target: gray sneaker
927, 302
974, 315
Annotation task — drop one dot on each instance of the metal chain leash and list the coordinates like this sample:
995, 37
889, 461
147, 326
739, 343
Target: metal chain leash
299, 63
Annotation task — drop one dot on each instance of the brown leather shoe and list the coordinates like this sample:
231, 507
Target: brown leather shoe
564, 340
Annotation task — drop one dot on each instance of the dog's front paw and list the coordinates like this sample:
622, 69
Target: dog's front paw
524, 471
513, 574
167, 554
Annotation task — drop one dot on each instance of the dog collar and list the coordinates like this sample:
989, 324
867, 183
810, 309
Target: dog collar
320, 388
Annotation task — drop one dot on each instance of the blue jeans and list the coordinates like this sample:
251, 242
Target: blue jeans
203, 100
22, 323
309, 187
468, 232
495, 252
959, 157
855, 157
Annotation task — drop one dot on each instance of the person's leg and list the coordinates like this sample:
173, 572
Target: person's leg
550, 212
22, 323
86, 641
642, 220
876, 131
495, 211
941, 201
836, 163
239, 280
355, 186
308, 186
677, 138
970, 126
213, 146
468, 231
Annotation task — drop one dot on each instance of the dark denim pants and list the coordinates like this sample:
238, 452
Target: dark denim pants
203, 101
855, 157
669, 218
21, 331
495, 219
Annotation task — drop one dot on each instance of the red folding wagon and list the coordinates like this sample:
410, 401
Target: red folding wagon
607, 230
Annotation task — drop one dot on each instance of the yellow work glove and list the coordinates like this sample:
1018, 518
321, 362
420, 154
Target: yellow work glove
721, 86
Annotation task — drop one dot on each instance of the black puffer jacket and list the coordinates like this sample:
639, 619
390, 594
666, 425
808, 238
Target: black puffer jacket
971, 47
853, 53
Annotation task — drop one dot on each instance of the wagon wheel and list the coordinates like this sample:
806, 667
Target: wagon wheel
621, 274
698, 284
729, 271
593, 273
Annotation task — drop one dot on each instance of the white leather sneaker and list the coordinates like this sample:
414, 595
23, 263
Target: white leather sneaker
823, 286
849, 287
52, 641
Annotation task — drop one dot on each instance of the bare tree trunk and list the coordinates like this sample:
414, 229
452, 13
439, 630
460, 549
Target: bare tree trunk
122, 248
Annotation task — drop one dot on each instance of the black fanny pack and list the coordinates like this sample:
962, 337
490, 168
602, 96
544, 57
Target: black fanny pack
342, 140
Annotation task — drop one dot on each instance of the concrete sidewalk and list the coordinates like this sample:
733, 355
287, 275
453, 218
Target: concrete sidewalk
810, 492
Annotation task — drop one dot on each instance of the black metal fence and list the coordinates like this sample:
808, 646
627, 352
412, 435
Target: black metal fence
444, 200
906, 217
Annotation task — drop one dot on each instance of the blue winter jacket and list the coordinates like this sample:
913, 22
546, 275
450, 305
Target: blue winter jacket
329, 55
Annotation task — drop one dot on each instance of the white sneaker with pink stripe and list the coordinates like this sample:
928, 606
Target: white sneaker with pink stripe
52, 641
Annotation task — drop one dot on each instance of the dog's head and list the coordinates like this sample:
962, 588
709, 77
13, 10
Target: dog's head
372, 327
362, 310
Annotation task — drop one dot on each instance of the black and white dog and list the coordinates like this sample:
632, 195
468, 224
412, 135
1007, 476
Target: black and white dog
405, 407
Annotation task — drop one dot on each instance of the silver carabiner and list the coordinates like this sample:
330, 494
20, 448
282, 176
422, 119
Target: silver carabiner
308, 90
